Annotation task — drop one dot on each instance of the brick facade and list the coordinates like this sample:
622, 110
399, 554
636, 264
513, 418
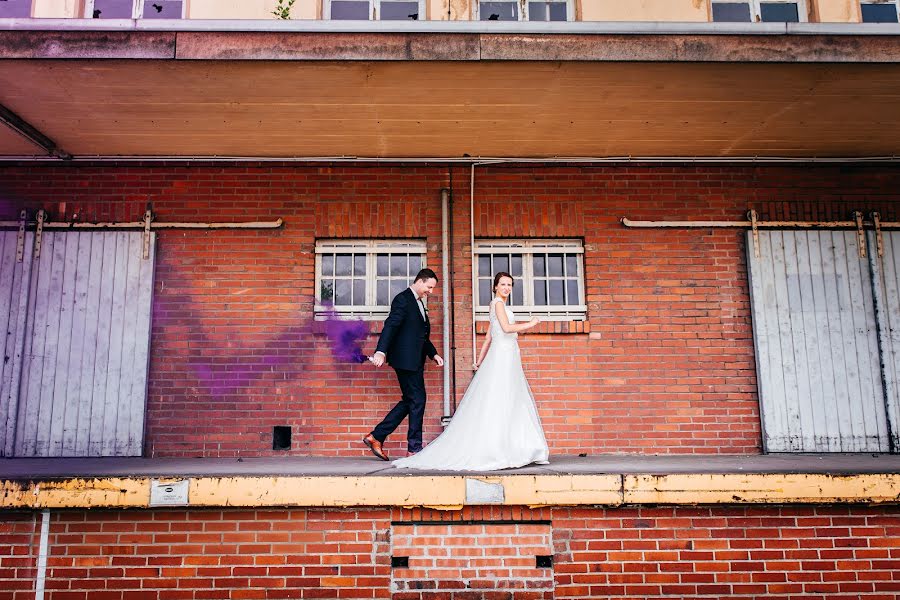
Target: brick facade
665, 363
739, 552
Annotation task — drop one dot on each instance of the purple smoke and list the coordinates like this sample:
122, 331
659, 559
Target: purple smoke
346, 337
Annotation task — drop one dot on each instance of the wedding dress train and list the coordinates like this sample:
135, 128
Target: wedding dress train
496, 425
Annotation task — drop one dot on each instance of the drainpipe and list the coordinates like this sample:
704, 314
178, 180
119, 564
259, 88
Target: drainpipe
445, 273
43, 553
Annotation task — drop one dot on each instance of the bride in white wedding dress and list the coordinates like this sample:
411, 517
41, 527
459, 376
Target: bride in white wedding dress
496, 425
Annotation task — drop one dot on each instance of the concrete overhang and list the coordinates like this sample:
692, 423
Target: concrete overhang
607, 480
449, 90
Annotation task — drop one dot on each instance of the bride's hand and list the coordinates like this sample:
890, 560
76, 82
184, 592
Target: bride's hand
475, 366
534, 321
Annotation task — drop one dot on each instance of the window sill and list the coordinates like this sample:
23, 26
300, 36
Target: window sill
545, 327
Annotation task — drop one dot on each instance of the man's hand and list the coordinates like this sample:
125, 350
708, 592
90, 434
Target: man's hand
378, 359
439, 360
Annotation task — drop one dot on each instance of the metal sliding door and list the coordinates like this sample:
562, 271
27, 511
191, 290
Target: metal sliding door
83, 377
817, 350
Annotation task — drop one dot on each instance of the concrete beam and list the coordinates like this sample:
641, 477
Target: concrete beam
455, 491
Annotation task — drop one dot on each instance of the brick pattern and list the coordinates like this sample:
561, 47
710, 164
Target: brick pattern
198, 554
739, 553
471, 560
664, 364
733, 552
19, 544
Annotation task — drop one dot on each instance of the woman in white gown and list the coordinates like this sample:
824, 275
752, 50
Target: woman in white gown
496, 425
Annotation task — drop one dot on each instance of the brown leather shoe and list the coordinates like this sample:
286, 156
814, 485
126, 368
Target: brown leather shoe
410, 453
375, 446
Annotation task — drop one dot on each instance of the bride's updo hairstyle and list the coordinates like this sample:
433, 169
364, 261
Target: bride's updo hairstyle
500, 275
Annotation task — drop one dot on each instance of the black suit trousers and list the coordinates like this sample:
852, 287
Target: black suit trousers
412, 404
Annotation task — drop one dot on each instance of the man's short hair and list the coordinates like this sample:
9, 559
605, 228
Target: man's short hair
425, 274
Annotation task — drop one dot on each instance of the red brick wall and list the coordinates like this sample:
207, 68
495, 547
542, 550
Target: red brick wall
667, 365
19, 536
734, 552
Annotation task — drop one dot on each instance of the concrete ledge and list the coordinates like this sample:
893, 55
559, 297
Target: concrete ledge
569, 481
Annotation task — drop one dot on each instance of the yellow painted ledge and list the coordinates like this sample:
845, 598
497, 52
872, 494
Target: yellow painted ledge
456, 491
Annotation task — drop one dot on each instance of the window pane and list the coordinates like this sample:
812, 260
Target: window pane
778, 12
555, 265
501, 263
381, 265
731, 12
326, 290
162, 9
572, 292
346, 10
342, 289
559, 11
397, 286
879, 13
359, 264
382, 298
399, 265
540, 262
571, 265
484, 265
498, 11
517, 299
540, 292
547, 11
112, 9
516, 265
328, 264
15, 9
484, 291
399, 11
557, 291
415, 265
342, 264
359, 292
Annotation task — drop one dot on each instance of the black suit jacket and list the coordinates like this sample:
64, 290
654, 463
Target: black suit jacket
404, 338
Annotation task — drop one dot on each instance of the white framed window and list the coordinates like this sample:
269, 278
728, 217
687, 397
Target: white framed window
879, 11
360, 277
15, 9
548, 275
374, 10
759, 11
526, 10
134, 9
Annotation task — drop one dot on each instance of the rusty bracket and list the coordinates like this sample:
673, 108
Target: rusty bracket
879, 241
38, 232
148, 218
20, 239
860, 233
754, 224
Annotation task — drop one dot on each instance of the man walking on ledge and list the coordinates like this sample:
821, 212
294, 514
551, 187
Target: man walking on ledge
405, 343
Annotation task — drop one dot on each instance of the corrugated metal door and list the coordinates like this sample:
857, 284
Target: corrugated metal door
14, 274
82, 389
817, 353
886, 271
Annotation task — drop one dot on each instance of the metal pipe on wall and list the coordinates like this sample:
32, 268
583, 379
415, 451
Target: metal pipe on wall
445, 268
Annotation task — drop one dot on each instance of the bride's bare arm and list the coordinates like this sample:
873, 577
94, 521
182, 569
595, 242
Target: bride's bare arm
508, 327
484, 349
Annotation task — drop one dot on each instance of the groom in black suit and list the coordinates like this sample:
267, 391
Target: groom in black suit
405, 343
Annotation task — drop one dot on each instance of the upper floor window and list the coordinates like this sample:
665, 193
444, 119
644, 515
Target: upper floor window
378, 10
879, 11
548, 277
15, 9
361, 277
766, 11
530, 10
134, 9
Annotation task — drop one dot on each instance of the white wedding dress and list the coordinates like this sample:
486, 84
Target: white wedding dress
496, 425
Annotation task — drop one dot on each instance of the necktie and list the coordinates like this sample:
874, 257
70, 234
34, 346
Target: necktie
422, 310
